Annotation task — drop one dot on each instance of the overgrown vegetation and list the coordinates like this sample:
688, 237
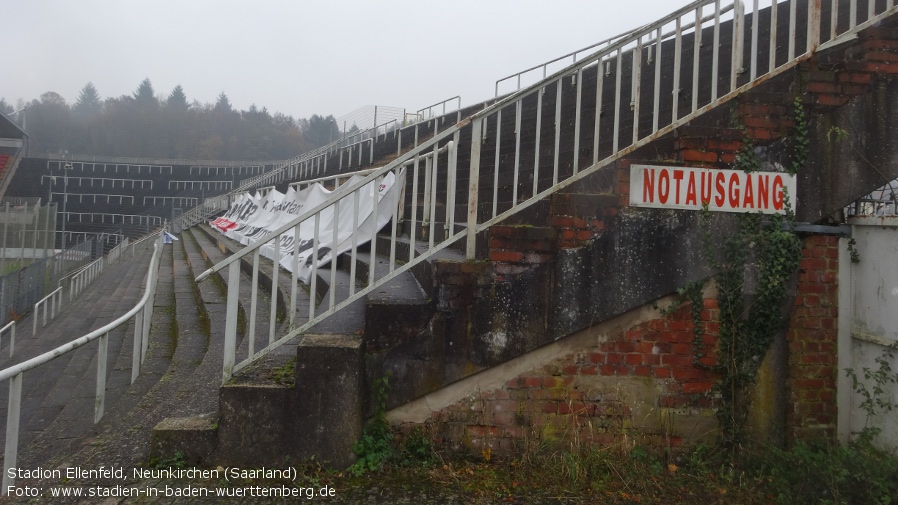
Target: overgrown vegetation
770, 251
285, 374
379, 447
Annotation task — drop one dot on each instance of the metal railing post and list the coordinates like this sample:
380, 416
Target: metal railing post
230, 341
100, 402
473, 188
13, 415
814, 24
135, 349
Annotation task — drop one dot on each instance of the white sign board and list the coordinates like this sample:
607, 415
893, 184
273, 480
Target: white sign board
721, 190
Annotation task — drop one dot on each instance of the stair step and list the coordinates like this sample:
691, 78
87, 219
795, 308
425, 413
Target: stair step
214, 255
58, 398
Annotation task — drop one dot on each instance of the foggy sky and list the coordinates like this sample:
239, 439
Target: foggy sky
298, 57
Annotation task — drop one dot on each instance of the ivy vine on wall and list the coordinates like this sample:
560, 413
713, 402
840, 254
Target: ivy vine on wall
768, 248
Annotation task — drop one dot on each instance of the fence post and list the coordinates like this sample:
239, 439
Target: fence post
473, 188
230, 342
100, 402
12, 430
814, 24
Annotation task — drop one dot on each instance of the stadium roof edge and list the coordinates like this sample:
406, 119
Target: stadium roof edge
9, 129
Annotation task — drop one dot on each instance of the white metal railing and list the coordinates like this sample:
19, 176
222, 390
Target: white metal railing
427, 113
328, 178
881, 202
80, 279
545, 66
426, 167
140, 314
76, 282
11, 326
629, 103
55, 301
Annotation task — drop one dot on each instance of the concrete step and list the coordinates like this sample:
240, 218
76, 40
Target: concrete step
58, 398
212, 254
174, 380
423, 272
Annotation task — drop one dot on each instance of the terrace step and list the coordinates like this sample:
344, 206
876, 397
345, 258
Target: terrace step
58, 398
188, 385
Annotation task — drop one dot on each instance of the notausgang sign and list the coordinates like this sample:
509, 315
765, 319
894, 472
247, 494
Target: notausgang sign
721, 190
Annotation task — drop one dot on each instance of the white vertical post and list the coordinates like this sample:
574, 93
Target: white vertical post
536, 139
557, 146
276, 267
100, 401
135, 349
495, 168
13, 414
736, 63
636, 87
230, 340
814, 24
473, 188
577, 120
774, 10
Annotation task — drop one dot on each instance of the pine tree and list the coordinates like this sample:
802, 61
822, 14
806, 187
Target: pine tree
89, 103
145, 96
177, 100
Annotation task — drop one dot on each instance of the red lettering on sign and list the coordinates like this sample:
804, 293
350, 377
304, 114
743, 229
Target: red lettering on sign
748, 200
763, 191
721, 192
678, 176
663, 186
778, 192
648, 185
706, 188
690, 189
734, 190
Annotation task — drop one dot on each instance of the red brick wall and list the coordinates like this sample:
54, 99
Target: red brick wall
561, 400
812, 342
577, 395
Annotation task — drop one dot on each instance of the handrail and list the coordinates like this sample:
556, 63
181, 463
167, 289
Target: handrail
11, 326
572, 54
623, 119
348, 191
429, 108
141, 312
85, 276
55, 299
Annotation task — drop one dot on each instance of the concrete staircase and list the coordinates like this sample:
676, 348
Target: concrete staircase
541, 263
58, 398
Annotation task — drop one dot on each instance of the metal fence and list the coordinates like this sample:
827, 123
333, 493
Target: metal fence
882, 202
26, 231
21, 289
138, 318
710, 50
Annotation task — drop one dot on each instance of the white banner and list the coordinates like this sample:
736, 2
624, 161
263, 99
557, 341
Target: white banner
252, 218
721, 190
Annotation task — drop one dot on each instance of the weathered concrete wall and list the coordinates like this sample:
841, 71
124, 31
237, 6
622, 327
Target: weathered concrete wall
584, 256
869, 325
632, 379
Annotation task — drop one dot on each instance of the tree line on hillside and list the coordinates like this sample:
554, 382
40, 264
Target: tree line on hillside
143, 125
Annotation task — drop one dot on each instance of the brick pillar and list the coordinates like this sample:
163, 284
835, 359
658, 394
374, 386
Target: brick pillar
812, 342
